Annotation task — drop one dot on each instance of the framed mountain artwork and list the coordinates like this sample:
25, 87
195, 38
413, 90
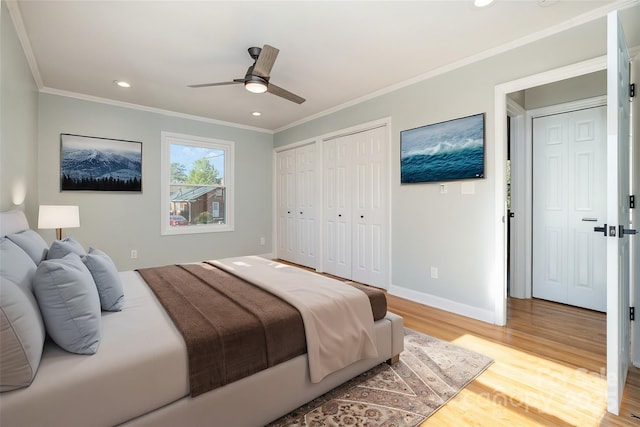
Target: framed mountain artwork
99, 164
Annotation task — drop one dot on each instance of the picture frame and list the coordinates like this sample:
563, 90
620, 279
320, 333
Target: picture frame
444, 151
89, 163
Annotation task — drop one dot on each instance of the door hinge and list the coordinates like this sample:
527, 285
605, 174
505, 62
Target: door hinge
632, 202
632, 313
632, 90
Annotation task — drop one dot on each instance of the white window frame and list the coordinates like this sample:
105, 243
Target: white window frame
168, 138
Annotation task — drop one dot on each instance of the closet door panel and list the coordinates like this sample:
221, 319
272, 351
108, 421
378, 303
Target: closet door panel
306, 206
371, 212
337, 208
285, 164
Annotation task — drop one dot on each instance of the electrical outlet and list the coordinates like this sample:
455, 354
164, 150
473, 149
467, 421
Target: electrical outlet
443, 189
134, 253
434, 272
262, 241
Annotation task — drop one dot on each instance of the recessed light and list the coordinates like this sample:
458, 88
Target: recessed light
122, 83
482, 3
256, 113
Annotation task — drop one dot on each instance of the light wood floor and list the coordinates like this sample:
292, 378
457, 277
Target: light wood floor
549, 367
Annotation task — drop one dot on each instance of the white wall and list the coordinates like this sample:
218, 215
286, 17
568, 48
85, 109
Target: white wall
452, 231
118, 222
18, 124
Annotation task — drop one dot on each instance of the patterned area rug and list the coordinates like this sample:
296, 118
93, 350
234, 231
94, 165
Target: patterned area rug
430, 372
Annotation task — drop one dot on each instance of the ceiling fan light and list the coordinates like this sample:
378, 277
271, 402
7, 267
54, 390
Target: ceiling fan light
256, 86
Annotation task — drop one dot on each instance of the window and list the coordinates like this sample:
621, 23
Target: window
197, 184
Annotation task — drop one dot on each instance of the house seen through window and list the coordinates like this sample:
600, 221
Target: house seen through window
197, 184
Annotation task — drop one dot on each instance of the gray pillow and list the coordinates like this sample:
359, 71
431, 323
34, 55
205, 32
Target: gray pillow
32, 243
69, 303
107, 279
60, 248
21, 336
16, 265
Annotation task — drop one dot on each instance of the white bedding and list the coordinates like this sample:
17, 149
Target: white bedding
326, 306
141, 365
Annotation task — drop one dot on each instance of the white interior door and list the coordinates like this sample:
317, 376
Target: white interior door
618, 262
569, 168
635, 243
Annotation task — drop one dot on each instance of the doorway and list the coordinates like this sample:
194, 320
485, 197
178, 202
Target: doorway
543, 102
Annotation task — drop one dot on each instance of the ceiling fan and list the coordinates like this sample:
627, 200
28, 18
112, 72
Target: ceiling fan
256, 79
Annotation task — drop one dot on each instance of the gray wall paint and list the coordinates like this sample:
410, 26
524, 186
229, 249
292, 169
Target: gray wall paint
118, 222
575, 89
453, 231
18, 125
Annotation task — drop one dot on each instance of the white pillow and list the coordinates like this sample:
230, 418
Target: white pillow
21, 336
32, 243
107, 279
69, 303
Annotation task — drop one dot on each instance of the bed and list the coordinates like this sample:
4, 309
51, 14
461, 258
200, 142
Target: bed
139, 376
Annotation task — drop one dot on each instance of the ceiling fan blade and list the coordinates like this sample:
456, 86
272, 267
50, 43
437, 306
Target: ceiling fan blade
234, 82
265, 61
283, 93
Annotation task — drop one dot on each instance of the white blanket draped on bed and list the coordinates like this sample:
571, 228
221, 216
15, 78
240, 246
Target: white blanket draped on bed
337, 317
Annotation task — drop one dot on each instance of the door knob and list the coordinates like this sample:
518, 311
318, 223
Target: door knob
622, 231
602, 230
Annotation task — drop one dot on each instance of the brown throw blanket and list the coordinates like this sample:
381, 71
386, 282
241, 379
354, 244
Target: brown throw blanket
231, 328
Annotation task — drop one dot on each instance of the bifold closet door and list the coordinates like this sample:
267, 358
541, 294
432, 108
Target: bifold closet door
296, 210
355, 207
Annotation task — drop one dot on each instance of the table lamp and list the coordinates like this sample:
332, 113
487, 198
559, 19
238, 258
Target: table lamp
58, 217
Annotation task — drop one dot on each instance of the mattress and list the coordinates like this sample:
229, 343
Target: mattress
136, 370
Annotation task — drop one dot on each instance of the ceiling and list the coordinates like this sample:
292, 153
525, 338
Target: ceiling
331, 52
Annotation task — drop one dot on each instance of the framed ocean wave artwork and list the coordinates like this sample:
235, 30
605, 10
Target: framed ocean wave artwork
444, 151
99, 164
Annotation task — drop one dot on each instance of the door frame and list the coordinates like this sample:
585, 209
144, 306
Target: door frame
500, 156
523, 288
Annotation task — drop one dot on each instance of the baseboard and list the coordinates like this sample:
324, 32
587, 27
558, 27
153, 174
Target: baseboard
443, 304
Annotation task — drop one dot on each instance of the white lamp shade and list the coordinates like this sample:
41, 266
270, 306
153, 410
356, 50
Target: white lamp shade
55, 216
